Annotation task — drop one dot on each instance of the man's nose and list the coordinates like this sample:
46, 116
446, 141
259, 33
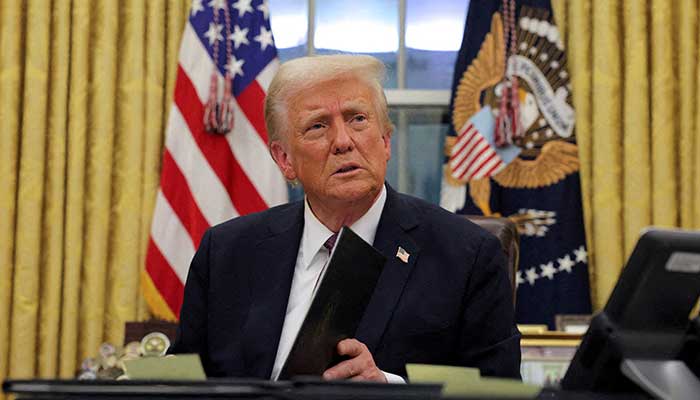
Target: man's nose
342, 142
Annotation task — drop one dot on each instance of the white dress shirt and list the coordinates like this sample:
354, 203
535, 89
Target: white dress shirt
310, 266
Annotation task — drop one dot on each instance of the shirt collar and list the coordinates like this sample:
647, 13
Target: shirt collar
366, 226
315, 233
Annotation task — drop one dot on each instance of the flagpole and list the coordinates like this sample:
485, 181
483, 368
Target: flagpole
402, 139
310, 45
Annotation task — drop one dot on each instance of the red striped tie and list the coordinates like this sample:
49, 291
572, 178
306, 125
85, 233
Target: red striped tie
330, 242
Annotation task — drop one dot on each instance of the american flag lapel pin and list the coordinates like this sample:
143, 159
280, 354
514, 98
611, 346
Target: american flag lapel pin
402, 255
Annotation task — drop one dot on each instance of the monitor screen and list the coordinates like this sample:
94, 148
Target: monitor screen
647, 314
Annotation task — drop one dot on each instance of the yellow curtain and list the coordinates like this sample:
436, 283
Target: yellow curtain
85, 86
635, 71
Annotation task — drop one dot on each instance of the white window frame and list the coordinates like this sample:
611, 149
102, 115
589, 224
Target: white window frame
400, 97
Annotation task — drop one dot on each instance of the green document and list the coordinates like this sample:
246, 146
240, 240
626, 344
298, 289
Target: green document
185, 367
467, 382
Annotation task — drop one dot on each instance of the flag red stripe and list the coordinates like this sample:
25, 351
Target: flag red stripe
177, 191
472, 144
479, 141
495, 167
243, 194
483, 163
462, 140
164, 278
472, 134
460, 163
477, 149
251, 100
473, 164
475, 158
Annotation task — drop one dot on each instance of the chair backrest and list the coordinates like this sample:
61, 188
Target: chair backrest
134, 331
507, 232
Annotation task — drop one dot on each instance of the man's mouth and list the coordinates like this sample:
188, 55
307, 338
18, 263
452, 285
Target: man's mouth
347, 168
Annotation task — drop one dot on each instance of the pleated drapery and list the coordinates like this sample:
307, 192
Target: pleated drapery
634, 68
85, 87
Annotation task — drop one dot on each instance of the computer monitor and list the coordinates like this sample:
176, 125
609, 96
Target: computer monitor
647, 315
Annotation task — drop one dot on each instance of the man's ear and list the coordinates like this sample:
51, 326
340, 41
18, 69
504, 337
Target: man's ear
386, 137
283, 160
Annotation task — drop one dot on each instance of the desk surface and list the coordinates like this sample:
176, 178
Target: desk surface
246, 389
215, 388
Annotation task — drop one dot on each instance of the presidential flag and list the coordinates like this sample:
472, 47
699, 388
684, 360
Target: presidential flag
512, 151
216, 164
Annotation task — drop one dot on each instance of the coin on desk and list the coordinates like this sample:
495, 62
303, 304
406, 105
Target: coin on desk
132, 349
155, 344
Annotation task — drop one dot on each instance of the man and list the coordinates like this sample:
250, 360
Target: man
446, 300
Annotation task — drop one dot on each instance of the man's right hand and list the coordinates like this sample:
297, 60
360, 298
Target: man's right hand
360, 366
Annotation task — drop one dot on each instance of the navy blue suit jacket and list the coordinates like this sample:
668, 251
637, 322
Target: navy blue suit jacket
451, 304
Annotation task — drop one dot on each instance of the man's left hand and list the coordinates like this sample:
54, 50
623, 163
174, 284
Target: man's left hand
360, 366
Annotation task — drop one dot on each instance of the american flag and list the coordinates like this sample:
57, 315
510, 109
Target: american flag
472, 156
208, 178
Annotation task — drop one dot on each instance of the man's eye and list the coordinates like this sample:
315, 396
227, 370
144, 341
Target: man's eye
359, 118
315, 126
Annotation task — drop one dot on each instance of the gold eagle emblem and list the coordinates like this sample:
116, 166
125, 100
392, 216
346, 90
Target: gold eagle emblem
548, 147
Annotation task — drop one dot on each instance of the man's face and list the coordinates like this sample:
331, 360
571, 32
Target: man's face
335, 144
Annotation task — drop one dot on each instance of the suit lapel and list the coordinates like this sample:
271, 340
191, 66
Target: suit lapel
396, 221
270, 282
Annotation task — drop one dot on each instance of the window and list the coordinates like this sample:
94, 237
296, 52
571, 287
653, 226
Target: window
417, 40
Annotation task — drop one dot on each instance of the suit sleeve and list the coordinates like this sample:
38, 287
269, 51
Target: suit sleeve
490, 339
192, 328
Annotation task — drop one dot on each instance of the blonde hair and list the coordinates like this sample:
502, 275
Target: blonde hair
304, 72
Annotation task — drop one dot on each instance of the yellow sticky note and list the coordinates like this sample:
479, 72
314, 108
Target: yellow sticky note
462, 381
425, 373
185, 367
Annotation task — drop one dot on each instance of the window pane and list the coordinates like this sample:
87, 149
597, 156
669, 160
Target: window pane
416, 164
360, 26
289, 22
434, 31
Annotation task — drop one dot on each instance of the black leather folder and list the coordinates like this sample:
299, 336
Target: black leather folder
337, 308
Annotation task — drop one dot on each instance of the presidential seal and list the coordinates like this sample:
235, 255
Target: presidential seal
513, 111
